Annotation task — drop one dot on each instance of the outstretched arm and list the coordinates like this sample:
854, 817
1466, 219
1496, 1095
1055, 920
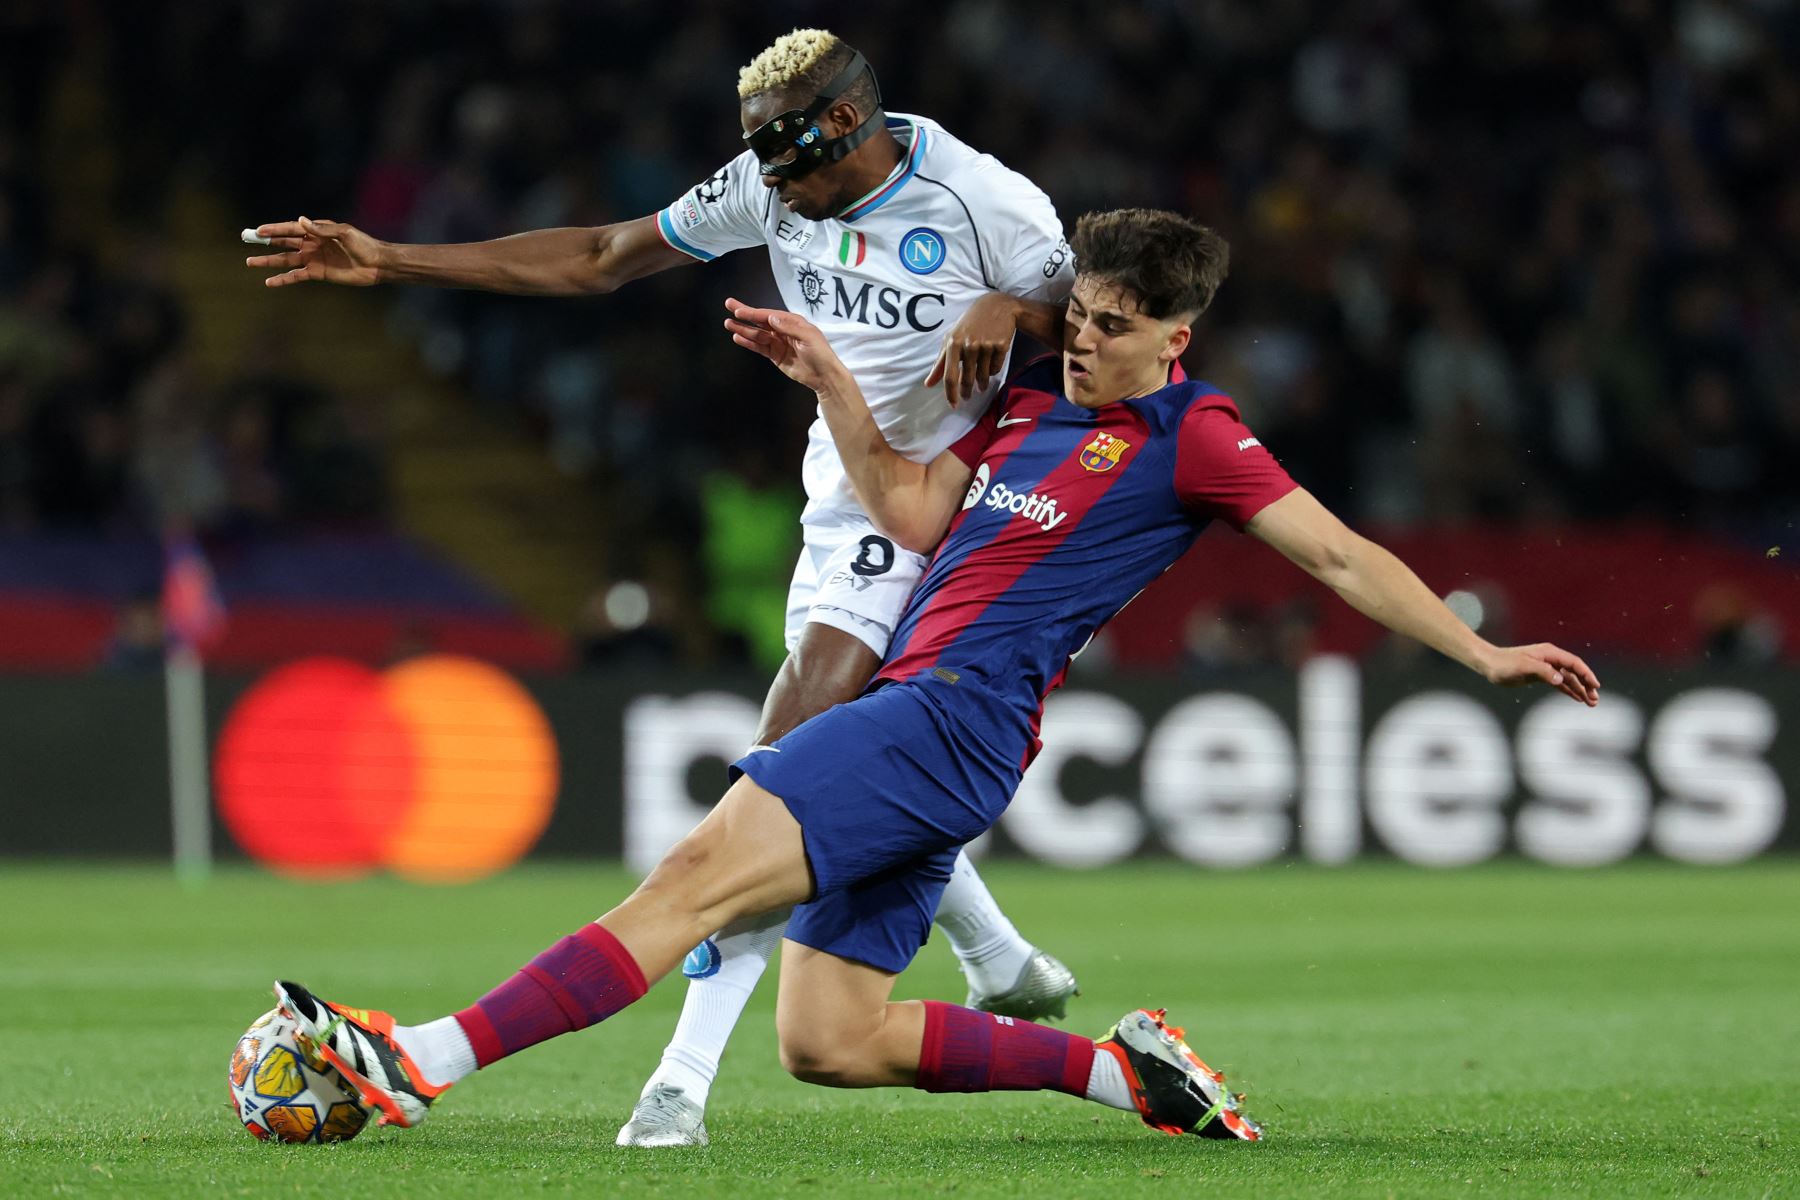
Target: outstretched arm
1383, 588
545, 262
908, 501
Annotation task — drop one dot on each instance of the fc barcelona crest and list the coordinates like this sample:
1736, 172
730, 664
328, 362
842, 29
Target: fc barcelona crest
1104, 452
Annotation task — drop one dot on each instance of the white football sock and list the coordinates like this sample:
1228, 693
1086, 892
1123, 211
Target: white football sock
714, 1003
440, 1048
992, 953
1106, 1083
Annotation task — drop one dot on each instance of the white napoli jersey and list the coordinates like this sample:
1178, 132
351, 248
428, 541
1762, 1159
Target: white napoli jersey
888, 278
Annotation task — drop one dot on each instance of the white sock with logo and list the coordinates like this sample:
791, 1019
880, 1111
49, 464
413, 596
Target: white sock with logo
992, 953
715, 1001
1106, 1082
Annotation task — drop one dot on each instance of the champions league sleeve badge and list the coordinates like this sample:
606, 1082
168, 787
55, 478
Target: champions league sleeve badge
713, 190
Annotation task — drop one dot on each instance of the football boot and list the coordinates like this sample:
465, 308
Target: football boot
359, 1043
1042, 990
1175, 1092
664, 1116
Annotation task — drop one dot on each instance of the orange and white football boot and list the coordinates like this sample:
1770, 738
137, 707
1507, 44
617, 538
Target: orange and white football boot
1174, 1091
359, 1042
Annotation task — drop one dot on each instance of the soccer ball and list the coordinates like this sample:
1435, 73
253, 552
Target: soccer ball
282, 1087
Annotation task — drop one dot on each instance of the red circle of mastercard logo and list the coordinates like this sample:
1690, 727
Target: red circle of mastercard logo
442, 769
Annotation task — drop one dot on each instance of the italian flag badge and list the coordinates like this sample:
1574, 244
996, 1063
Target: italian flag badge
852, 249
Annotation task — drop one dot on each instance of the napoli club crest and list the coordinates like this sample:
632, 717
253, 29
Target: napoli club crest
1104, 452
703, 961
922, 251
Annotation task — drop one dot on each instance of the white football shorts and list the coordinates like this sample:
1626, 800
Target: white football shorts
852, 578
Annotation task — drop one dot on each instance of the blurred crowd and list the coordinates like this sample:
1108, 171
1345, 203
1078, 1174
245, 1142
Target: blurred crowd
105, 427
1492, 259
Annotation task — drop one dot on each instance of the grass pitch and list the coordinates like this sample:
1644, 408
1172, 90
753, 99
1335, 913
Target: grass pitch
1508, 1030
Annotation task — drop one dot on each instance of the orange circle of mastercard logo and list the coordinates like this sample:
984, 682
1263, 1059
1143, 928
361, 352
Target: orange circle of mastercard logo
443, 769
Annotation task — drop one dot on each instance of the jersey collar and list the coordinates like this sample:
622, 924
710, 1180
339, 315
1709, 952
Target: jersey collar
904, 170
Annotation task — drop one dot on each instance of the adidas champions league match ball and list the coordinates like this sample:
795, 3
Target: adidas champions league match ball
282, 1089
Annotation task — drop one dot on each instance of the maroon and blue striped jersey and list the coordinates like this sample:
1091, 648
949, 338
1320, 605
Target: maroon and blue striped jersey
1071, 513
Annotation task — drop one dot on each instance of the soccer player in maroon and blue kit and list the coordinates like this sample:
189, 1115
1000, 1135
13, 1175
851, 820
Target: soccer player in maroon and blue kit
1087, 478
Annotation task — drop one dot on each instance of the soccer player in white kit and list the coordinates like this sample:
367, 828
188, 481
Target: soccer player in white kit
885, 231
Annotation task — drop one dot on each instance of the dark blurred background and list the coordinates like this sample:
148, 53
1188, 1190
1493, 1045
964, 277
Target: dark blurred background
1516, 286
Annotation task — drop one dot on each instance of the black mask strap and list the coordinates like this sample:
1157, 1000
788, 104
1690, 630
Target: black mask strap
839, 84
795, 135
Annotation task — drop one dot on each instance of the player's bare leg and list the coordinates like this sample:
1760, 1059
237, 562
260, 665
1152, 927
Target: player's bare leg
747, 857
837, 1023
827, 666
1006, 973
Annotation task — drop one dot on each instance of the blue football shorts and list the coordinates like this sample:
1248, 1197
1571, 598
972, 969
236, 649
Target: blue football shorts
886, 789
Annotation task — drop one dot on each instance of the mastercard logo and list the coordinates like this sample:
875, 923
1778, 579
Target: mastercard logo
441, 769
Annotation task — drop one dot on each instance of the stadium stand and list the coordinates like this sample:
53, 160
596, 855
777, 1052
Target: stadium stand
1501, 270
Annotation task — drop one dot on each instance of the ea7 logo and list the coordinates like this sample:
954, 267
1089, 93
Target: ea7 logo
1246, 443
794, 233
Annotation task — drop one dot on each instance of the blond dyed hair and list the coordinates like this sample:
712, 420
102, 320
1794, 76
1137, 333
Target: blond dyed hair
787, 61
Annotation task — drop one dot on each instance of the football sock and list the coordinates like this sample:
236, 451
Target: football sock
440, 1048
579, 981
992, 953
1106, 1082
715, 1001
969, 1051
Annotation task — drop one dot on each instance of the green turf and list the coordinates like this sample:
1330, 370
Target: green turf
1507, 1030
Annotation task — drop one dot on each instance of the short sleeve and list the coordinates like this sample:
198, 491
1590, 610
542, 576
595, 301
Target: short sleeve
722, 213
973, 444
1031, 259
1041, 374
1221, 469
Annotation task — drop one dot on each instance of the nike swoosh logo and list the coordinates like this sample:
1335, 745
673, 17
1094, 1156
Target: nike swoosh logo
1003, 422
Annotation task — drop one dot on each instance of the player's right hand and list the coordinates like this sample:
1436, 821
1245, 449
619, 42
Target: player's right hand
788, 340
975, 350
324, 251
1515, 666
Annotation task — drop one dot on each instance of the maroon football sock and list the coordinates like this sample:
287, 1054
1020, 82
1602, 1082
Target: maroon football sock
579, 981
969, 1051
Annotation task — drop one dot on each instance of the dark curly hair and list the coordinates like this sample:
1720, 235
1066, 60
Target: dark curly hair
1172, 264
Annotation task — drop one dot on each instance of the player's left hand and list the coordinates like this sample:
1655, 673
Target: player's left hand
1515, 666
788, 340
975, 349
